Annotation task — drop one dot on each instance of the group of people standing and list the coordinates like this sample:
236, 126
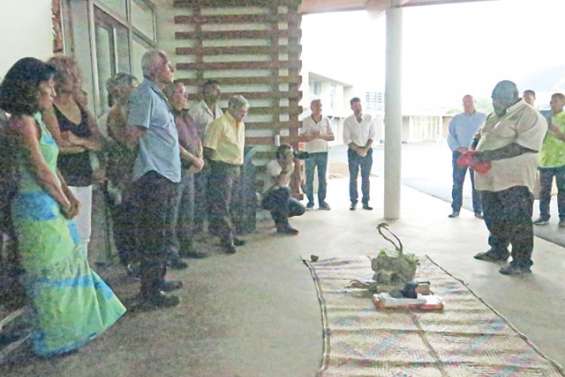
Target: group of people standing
520, 151
164, 168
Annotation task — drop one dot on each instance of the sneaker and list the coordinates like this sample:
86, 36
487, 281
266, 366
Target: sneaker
170, 285
541, 221
287, 230
353, 206
159, 300
310, 205
491, 256
479, 215
324, 206
453, 214
367, 207
514, 269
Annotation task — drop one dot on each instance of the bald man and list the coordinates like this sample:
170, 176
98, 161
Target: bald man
462, 129
509, 140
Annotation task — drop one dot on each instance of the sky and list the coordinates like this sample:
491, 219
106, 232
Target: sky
448, 50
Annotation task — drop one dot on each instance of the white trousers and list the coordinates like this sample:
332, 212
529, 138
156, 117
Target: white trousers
84, 218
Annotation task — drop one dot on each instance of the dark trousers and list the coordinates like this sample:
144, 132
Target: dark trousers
546, 181
221, 181
364, 164
457, 191
183, 215
282, 206
200, 199
123, 227
155, 198
316, 161
508, 216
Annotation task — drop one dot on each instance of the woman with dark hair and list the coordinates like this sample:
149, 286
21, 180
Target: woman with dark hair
71, 303
75, 130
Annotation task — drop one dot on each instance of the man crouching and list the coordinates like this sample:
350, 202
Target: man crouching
277, 199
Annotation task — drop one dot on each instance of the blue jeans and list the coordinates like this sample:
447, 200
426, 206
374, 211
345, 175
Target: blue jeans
364, 164
319, 161
282, 206
457, 191
546, 181
183, 214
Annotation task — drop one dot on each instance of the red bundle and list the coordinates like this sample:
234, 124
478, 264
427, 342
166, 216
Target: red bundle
468, 159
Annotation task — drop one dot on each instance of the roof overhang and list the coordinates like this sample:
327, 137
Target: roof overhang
320, 6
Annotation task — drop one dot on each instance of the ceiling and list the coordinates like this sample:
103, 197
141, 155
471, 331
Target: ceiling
319, 6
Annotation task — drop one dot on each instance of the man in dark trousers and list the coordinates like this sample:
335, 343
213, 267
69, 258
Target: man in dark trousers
509, 141
224, 144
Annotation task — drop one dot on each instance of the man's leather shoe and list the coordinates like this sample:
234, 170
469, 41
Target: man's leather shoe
238, 242
177, 263
287, 230
367, 207
170, 285
353, 206
490, 256
191, 253
453, 214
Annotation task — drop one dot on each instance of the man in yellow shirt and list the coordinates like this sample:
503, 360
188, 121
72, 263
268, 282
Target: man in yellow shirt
552, 162
223, 148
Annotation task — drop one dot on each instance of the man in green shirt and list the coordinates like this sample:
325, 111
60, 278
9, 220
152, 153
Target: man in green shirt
552, 162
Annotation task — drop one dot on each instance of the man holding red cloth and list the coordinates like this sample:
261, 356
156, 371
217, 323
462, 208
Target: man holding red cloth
507, 156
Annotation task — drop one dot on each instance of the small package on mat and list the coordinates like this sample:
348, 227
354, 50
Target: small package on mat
422, 302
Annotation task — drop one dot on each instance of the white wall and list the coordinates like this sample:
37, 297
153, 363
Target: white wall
25, 30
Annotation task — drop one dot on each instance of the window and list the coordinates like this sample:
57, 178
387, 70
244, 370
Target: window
124, 30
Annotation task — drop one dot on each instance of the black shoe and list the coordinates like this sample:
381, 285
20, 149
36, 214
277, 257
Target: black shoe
514, 269
238, 242
367, 207
310, 205
287, 230
541, 221
353, 206
479, 215
229, 248
491, 256
133, 271
453, 214
177, 264
170, 285
191, 253
325, 206
159, 300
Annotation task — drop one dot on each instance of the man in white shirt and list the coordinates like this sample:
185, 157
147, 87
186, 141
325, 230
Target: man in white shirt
316, 132
358, 134
509, 141
277, 199
203, 113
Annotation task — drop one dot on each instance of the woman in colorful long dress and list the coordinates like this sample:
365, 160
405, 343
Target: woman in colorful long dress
71, 304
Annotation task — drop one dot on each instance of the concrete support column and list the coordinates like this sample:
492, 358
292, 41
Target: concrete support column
393, 111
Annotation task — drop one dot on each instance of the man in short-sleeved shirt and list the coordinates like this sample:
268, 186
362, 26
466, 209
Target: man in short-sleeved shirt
316, 132
509, 140
203, 113
277, 199
552, 162
224, 145
157, 172
358, 134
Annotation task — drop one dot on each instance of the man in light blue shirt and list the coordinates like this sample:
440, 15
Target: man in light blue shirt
462, 129
156, 175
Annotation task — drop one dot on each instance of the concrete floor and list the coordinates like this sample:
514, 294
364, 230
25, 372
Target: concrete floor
256, 314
